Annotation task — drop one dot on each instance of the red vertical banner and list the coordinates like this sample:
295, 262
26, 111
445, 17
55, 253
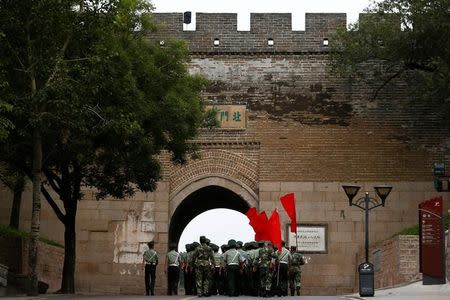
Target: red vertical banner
261, 228
288, 202
432, 252
275, 229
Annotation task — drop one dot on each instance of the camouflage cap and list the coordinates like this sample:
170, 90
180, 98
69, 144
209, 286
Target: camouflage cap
203, 239
195, 245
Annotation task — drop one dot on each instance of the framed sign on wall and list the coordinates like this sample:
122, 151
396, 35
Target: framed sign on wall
311, 238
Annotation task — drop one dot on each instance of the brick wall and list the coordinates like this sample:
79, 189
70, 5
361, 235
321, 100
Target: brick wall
396, 261
14, 254
263, 26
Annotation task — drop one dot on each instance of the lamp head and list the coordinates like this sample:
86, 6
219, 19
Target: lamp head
383, 192
351, 191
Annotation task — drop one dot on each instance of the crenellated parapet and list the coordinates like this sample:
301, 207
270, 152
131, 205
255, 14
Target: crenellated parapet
269, 32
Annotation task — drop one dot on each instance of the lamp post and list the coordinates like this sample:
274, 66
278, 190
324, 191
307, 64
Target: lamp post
366, 203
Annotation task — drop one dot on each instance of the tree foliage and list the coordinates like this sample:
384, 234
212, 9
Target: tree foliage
106, 102
404, 37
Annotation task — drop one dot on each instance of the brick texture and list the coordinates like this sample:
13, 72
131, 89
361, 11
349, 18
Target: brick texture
14, 254
396, 261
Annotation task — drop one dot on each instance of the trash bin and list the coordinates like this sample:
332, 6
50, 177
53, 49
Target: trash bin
366, 279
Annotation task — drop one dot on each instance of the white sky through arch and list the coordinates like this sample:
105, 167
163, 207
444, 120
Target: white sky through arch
219, 225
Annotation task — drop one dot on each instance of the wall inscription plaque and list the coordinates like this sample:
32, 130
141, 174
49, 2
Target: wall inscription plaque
311, 238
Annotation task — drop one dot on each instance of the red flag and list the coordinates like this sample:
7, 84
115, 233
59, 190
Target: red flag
261, 227
251, 213
288, 202
274, 229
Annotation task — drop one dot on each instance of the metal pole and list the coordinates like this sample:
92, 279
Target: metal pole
366, 208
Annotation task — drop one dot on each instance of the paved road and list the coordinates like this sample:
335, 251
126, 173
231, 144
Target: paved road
85, 297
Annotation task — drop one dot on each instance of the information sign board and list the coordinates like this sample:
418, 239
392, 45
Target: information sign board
431, 238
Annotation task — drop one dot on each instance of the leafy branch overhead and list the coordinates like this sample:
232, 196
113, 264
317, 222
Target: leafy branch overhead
407, 39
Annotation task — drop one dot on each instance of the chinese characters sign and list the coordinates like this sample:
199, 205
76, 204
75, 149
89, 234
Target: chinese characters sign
431, 238
310, 238
231, 116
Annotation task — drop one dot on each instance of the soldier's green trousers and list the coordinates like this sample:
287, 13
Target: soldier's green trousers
265, 279
294, 281
203, 280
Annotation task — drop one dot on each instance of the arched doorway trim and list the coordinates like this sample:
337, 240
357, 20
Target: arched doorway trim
246, 193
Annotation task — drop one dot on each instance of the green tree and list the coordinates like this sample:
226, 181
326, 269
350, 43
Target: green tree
408, 38
94, 102
5, 123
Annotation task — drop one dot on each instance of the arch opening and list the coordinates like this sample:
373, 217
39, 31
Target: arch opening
200, 201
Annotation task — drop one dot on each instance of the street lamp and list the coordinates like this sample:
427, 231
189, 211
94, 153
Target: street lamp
366, 203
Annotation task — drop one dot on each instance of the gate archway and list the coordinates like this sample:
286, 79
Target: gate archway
203, 195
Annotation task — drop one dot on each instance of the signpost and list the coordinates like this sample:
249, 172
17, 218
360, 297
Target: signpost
431, 241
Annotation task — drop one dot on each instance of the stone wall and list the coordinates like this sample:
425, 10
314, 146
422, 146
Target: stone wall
263, 26
14, 254
396, 261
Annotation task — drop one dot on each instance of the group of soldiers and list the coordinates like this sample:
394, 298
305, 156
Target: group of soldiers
253, 269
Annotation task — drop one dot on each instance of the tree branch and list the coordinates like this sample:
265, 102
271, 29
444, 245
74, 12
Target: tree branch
58, 60
389, 79
417, 66
52, 203
54, 181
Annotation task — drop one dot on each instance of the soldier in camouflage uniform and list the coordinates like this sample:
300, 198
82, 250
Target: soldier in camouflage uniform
295, 274
266, 261
203, 258
193, 268
150, 260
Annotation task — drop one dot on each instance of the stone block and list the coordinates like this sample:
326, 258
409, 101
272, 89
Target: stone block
161, 196
93, 225
101, 236
162, 206
309, 196
342, 237
83, 235
286, 187
162, 227
163, 186
269, 186
345, 226
327, 187
265, 196
113, 215
161, 217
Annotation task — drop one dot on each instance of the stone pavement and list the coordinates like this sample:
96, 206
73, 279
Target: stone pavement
414, 291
